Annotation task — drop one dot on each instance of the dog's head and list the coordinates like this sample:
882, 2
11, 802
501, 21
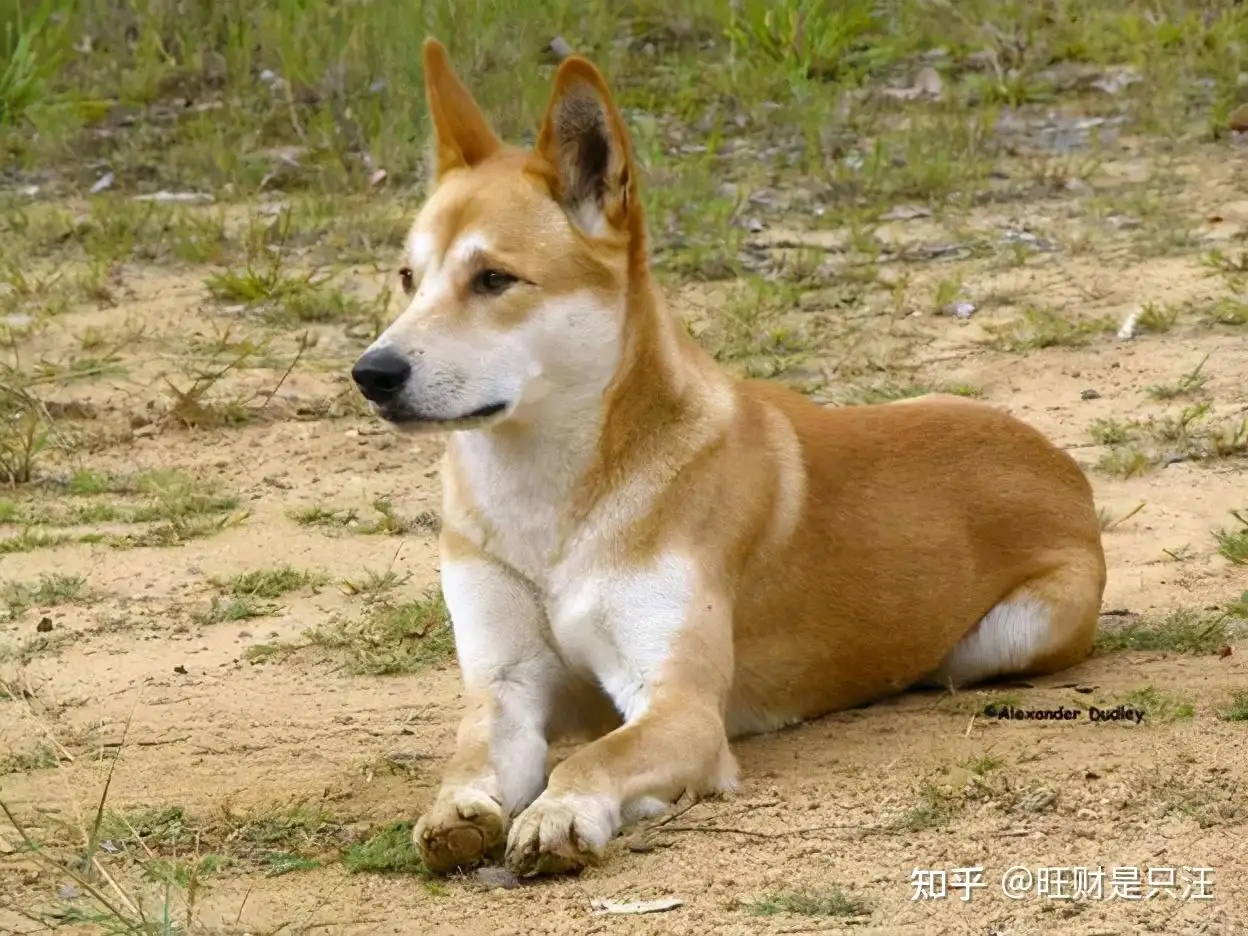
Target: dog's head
517, 266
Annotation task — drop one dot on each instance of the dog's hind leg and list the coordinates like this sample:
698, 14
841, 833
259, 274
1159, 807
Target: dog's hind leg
1044, 626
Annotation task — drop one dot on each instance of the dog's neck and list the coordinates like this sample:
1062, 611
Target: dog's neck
596, 422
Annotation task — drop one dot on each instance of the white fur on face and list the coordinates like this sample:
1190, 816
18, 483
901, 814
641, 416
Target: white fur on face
459, 367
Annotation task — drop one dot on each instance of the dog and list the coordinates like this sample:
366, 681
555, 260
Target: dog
639, 548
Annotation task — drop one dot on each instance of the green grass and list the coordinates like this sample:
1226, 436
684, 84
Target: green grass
226, 610
1179, 631
935, 810
391, 637
388, 851
1236, 709
1233, 543
1159, 706
1040, 327
829, 902
51, 589
269, 583
384, 521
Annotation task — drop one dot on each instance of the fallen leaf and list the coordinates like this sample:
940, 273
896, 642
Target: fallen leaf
906, 213
105, 182
660, 905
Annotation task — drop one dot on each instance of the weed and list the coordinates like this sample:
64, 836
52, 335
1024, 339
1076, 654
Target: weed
937, 807
1041, 327
284, 863
1236, 710
1233, 543
832, 902
1158, 706
1180, 631
389, 851
238, 608
1188, 384
391, 638
263, 277
269, 583
1158, 319
200, 403
983, 764
51, 589
386, 522
30, 60
375, 584
1126, 462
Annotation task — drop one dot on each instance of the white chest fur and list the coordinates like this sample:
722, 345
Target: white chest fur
615, 624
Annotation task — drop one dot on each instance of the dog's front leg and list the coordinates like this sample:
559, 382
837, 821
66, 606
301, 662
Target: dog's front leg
510, 679
677, 671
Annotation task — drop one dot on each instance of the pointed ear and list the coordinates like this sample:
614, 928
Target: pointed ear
584, 138
461, 135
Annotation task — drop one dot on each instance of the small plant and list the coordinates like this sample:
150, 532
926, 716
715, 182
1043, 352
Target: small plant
1179, 631
936, 809
832, 902
1158, 319
51, 589
392, 638
263, 277
268, 583
1158, 706
1236, 710
1187, 385
1233, 543
1109, 522
1041, 327
389, 851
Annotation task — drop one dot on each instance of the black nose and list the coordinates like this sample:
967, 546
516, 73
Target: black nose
380, 374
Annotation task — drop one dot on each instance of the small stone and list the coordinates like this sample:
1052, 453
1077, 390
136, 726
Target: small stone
1090, 394
497, 877
105, 182
44, 625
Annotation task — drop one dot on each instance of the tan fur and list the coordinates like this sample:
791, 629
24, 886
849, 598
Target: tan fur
817, 558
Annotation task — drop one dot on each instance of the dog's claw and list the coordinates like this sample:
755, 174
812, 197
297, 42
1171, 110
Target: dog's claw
545, 840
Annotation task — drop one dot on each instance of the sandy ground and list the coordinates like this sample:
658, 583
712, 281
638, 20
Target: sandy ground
846, 801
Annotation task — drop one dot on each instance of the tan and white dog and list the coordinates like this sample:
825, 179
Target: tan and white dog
638, 546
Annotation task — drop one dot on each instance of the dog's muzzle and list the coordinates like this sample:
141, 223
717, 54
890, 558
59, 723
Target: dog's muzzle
380, 374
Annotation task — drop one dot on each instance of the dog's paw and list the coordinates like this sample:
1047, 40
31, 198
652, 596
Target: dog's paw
559, 834
460, 830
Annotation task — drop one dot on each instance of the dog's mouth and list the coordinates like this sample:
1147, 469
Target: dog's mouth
412, 420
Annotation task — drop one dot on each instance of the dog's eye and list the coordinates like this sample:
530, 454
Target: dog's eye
493, 282
405, 277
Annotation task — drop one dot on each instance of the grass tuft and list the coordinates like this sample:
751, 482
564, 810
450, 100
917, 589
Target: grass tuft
389, 851
832, 902
1179, 631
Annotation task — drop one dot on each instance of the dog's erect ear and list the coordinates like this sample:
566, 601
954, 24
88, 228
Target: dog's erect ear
461, 135
585, 139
